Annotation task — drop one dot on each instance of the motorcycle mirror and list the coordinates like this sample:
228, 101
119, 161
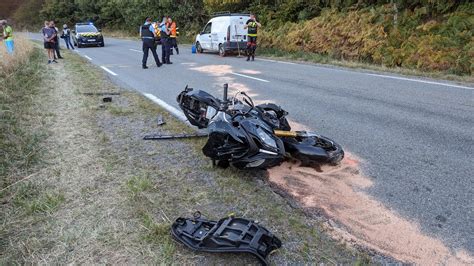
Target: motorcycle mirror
226, 88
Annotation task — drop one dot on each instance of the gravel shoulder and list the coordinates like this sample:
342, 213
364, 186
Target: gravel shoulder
101, 194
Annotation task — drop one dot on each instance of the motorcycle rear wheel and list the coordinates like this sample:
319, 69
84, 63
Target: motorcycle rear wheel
314, 150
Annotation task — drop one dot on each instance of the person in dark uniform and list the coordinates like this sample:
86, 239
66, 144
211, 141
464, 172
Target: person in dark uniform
165, 42
147, 34
252, 25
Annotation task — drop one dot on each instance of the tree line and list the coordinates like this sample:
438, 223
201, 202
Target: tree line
191, 14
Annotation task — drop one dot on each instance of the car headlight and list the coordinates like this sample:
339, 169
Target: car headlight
267, 139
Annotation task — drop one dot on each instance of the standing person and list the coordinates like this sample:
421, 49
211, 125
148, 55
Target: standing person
173, 36
252, 25
56, 41
8, 36
165, 45
49, 37
67, 37
147, 33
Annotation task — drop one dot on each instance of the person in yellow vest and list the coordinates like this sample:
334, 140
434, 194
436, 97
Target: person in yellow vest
173, 36
252, 25
8, 36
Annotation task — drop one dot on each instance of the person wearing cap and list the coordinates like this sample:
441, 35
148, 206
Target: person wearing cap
147, 33
8, 36
67, 37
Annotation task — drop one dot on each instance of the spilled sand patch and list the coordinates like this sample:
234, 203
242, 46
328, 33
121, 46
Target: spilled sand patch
337, 193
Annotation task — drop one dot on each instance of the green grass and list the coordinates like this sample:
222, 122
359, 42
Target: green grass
138, 184
36, 199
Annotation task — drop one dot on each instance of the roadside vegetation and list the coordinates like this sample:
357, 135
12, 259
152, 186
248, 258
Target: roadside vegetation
21, 127
101, 194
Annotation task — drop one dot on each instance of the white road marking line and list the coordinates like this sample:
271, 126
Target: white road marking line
177, 113
138, 51
108, 70
90, 59
249, 77
423, 81
276, 61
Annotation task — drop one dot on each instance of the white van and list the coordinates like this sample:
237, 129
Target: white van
223, 33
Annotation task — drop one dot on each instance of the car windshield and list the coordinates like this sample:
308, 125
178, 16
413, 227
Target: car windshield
86, 28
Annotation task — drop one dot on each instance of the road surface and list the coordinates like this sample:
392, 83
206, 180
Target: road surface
414, 135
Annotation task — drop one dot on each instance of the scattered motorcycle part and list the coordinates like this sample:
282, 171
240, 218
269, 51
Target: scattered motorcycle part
160, 121
230, 234
107, 99
174, 136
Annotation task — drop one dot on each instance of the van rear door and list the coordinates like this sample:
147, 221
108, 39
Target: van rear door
237, 31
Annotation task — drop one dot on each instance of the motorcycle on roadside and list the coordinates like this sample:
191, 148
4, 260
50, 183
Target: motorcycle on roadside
246, 135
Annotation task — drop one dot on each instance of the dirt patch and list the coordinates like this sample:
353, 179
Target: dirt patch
338, 193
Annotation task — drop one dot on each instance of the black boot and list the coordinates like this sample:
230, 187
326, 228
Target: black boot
177, 50
248, 57
253, 57
144, 67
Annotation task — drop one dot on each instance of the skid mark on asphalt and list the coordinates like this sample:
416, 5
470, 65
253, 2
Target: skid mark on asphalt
337, 192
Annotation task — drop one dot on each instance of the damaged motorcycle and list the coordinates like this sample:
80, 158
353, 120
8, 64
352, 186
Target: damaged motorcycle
246, 135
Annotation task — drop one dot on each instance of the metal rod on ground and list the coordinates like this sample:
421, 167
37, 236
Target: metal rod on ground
174, 136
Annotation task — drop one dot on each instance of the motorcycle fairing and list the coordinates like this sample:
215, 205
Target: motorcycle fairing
239, 143
194, 104
235, 235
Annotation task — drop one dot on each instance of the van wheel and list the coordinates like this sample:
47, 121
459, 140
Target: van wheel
221, 50
199, 48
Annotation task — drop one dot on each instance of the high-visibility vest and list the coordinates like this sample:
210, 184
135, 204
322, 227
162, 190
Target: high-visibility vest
156, 26
252, 29
173, 30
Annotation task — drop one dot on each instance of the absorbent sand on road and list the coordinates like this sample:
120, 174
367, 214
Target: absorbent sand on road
337, 192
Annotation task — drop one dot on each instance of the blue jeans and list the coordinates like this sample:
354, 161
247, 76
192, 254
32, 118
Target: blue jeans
10, 46
68, 42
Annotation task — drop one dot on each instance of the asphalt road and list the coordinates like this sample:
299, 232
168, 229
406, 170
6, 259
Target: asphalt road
414, 135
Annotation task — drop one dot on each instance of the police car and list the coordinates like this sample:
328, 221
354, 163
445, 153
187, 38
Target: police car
86, 34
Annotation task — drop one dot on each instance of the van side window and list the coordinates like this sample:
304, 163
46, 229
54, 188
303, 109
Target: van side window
207, 29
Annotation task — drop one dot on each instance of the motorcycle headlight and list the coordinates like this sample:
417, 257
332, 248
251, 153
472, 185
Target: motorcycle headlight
267, 139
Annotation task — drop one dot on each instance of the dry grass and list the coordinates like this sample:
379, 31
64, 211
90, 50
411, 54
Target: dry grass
20, 127
9, 63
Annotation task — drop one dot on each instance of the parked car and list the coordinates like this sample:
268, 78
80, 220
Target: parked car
86, 34
224, 33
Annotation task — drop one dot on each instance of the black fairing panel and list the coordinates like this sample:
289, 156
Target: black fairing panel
194, 104
236, 235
